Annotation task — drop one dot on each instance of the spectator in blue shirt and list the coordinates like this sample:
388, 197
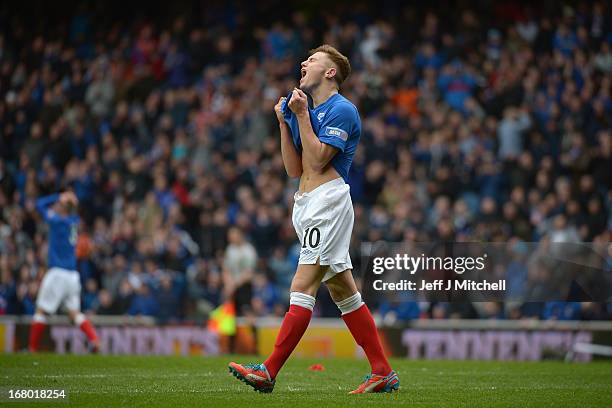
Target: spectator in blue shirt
144, 303
169, 300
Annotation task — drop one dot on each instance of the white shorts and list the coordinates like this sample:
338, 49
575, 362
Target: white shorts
59, 286
323, 220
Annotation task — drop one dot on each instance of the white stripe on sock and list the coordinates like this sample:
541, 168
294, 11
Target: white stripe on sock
350, 304
302, 299
39, 318
79, 319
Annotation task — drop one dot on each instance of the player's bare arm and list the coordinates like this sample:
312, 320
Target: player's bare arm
291, 158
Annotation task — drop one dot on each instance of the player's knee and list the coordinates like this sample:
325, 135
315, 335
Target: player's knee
338, 290
350, 304
306, 286
302, 299
300, 287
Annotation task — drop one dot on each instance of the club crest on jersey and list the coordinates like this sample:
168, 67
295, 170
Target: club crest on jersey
336, 132
320, 116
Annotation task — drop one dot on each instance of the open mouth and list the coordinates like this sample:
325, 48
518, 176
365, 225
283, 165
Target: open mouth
303, 72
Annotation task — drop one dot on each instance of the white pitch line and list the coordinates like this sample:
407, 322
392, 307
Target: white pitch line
179, 375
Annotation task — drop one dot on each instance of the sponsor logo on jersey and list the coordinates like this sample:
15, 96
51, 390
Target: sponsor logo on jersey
320, 116
336, 132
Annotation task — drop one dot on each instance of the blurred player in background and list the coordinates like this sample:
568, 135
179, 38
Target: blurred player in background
318, 145
61, 284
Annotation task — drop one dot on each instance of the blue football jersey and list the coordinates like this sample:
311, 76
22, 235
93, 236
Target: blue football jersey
62, 237
336, 122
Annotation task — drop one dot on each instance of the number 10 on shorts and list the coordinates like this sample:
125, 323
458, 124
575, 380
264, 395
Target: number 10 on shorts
312, 236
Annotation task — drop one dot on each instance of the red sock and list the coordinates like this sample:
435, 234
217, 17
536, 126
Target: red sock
362, 327
292, 329
36, 331
87, 328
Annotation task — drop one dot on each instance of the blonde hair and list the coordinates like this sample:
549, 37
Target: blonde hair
343, 64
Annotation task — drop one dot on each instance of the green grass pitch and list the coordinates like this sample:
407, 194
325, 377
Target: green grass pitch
130, 381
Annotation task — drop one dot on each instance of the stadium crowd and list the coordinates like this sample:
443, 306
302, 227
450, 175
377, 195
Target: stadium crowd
480, 124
